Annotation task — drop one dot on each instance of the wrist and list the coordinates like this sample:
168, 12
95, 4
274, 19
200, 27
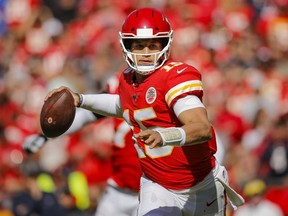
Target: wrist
174, 136
80, 101
44, 137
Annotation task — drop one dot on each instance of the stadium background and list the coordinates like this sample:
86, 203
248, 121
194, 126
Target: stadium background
240, 46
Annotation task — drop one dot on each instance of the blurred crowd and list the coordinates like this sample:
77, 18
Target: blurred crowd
240, 47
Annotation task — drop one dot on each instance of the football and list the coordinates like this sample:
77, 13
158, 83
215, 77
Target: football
57, 114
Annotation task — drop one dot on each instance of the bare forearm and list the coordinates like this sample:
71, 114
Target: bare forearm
196, 126
197, 133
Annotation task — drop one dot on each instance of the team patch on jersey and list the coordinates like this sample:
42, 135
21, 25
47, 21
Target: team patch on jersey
151, 95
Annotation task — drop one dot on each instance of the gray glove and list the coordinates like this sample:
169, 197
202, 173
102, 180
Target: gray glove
34, 143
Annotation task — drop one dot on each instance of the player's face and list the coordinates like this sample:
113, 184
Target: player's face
145, 50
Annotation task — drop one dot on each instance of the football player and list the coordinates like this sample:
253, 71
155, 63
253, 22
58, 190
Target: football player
161, 100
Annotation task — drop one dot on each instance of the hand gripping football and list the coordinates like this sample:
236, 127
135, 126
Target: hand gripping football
57, 113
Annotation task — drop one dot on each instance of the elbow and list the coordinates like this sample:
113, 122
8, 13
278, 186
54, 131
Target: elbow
207, 133
202, 134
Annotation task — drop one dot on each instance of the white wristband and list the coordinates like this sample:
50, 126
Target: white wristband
174, 136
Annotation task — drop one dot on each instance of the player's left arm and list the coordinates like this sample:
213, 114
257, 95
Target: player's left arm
196, 127
184, 95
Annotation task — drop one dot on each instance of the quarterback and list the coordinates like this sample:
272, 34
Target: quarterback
161, 100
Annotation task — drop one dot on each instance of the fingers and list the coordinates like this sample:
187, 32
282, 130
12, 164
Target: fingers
150, 138
54, 91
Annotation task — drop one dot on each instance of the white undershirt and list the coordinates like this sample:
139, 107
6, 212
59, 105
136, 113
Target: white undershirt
186, 103
109, 104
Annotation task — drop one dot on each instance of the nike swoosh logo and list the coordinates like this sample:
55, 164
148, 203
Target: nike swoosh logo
210, 203
180, 71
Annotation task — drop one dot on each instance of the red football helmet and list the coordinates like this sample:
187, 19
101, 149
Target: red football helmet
146, 23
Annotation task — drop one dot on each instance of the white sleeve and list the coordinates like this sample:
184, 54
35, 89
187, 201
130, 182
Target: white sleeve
188, 102
82, 117
103, 104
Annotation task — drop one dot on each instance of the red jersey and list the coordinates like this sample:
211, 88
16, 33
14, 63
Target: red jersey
150, 104
126, 170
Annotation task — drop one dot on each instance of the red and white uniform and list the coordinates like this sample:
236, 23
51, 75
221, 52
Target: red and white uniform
121, 197
126, 170
177, 180
149, 105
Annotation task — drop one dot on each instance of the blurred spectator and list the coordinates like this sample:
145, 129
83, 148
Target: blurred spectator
279, 194
274, 153
257, 204
256, 134
64, 10
30, 195
241, 47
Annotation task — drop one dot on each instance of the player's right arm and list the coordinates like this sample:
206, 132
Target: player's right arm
95, 107
102, 104
35, 142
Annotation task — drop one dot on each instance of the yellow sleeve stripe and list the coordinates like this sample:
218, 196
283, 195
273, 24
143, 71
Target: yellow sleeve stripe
183, 88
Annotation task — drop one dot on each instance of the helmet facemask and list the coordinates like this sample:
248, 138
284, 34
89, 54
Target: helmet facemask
159, 57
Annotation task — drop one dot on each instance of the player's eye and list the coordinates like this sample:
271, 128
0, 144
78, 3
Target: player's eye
140, 46
153, 47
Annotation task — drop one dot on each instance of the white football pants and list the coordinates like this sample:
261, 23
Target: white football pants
207, 198
117, 201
